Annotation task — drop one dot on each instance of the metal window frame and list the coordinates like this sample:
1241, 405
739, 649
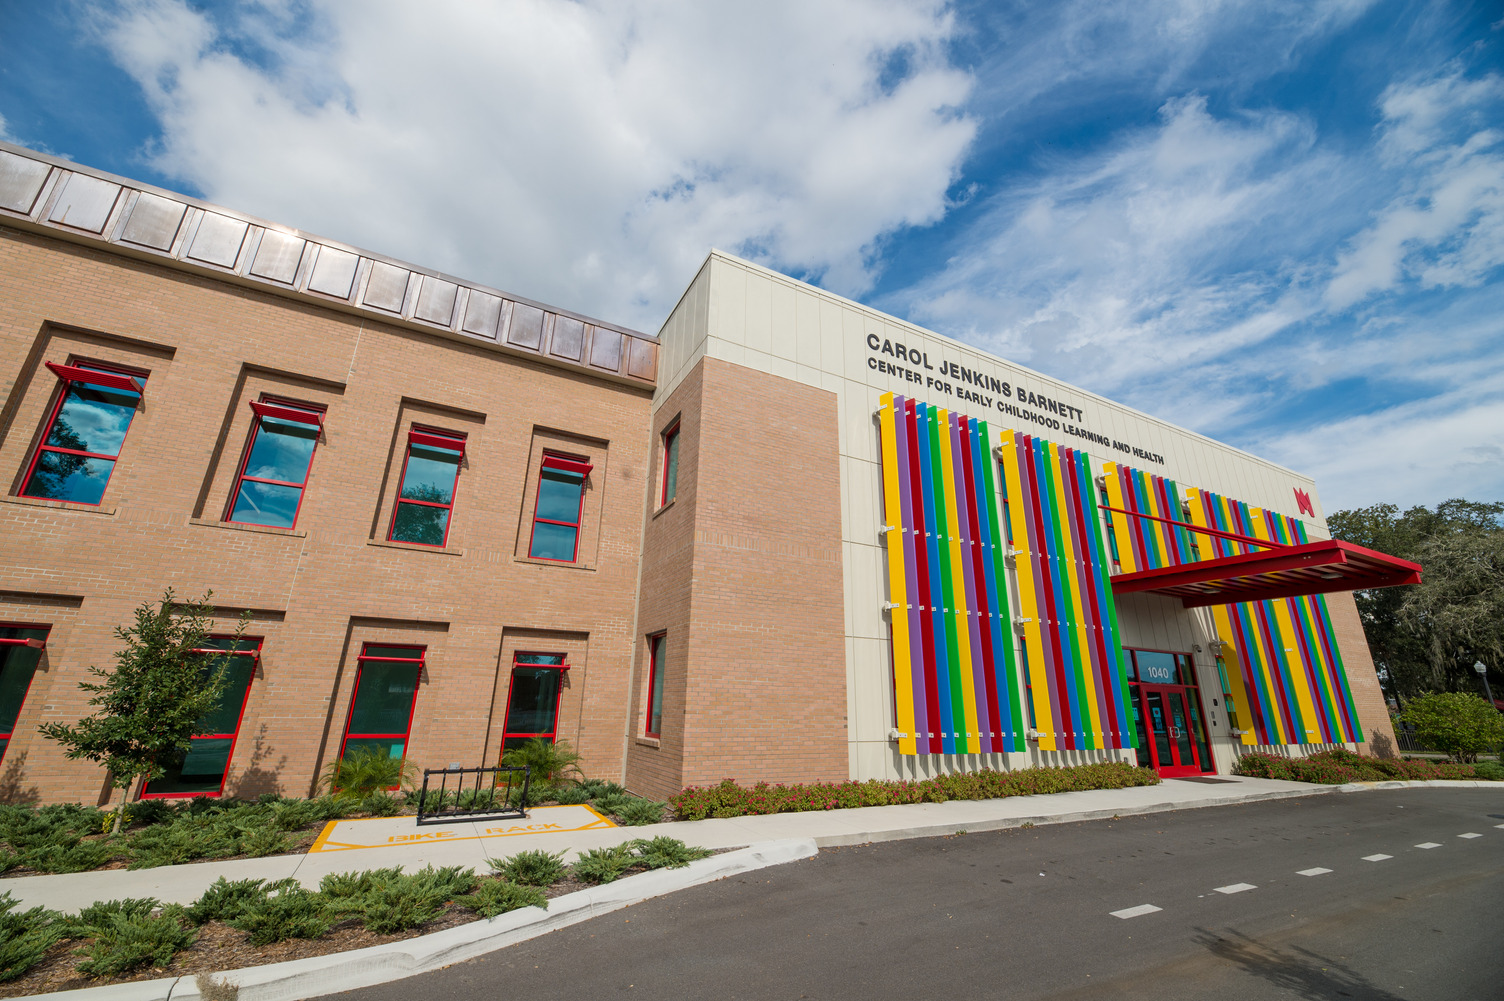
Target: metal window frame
30, 643
361, 660
655, 682
418, 435
568, 464
283, 410
562, 668
234, 737
670, 439
86, 373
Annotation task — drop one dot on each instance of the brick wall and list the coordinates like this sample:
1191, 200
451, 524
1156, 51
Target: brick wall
1362, 679
320, 591
744, 574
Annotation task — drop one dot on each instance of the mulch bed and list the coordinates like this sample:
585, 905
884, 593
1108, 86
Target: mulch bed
220, 947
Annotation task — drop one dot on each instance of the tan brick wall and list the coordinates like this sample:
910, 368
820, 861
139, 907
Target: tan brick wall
750, 556
319, 591
1362, 679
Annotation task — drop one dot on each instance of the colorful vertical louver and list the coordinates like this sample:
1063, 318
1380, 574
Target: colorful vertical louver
1075, 659
954, 672
1282, 668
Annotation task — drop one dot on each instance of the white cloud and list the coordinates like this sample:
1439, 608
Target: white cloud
586, 154
1446, 228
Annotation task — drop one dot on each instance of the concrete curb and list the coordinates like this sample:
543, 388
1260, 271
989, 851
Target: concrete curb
379, 964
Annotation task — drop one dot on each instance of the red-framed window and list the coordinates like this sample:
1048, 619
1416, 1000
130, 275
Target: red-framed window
201, 771
670, 464
85, 432
20, 651
533, 698
274, 470
558, 507
657, 649
386, 689
425, 499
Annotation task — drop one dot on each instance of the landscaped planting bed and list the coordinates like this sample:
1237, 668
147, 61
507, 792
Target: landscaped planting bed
1339, 766
252, 922
73, 838
731, 800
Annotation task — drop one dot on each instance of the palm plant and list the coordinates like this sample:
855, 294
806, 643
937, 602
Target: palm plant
549, 762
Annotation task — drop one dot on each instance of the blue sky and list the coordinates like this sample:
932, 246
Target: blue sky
1279, 224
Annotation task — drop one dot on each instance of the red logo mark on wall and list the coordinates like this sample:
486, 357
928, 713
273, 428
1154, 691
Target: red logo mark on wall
1303, 499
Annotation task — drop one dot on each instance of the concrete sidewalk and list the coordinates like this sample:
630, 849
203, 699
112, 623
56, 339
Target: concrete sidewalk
469, 843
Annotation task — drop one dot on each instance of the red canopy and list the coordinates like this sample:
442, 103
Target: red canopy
1284, 572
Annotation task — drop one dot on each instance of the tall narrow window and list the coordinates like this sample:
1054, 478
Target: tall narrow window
201, 771
20, 650
381, 710
670, 464
556, 515
426, 499
84, 433
269, 489
533, 698
656, 646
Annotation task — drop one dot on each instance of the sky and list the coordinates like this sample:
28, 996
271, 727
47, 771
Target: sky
1279, 224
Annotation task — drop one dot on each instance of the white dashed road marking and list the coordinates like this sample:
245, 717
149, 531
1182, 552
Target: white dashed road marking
1136, 912
1318, 871
1376, 858
1236, 888
1429, 844
1500, 826
1470, 835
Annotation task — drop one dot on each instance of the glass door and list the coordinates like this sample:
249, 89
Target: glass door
1173, 741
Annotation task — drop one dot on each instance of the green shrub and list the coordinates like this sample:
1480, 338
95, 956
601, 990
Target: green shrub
259, 842
413, 901
572, 795
124, 936
1339, 766
598, 788
731, 800
613, 803
1456, 723
189, 839
25, 936
346, 892
497, 896
531, 868
381, 804
225, 900
294, 814
1492, 771
640, 812
549, 762
364, 770
666, 853
603, 865
8, 860
293, 912
69, 854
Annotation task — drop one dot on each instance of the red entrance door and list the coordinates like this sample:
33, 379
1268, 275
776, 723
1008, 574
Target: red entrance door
1172, 737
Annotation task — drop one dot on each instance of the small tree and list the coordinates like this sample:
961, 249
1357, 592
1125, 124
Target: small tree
151, 704
1458, 723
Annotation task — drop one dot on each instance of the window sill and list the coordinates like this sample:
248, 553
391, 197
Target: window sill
552, 563
649, 741
60, 505
665, 507
262, 529
414, 547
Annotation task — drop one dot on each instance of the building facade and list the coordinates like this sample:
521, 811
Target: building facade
787, 539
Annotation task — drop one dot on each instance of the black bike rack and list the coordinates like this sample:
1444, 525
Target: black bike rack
491, 793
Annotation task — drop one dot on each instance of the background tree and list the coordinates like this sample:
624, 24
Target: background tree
1458, 723
1426, 637
150, 706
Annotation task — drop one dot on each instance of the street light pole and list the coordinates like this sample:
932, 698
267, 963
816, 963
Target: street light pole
1483, 673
